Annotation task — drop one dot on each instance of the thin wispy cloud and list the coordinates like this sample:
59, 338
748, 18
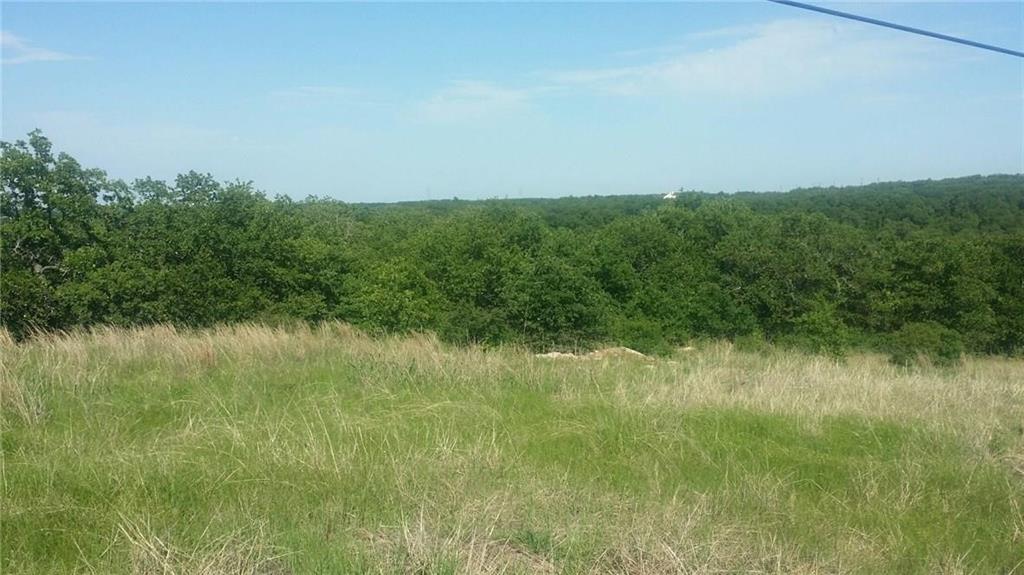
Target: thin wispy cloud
779, 57
468, 100
315, 92
686, 43
17, 50
782, 57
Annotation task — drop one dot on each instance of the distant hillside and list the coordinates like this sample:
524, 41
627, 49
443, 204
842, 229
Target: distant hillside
933, 267
985, 203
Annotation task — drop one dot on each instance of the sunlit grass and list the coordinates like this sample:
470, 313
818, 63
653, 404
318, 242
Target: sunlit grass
255, 450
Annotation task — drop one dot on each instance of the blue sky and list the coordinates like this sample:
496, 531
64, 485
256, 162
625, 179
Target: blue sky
383, 102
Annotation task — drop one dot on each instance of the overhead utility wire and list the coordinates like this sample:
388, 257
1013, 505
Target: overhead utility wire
900, 27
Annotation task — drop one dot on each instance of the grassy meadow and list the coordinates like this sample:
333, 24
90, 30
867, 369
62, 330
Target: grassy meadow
261, 450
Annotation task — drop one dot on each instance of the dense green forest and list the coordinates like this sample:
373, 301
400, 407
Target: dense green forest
929, 266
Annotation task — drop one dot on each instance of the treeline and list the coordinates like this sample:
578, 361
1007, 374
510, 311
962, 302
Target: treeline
933, 266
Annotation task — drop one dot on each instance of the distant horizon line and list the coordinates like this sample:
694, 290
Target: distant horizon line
456, 198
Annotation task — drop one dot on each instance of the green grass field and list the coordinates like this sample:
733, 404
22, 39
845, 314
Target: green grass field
322, 450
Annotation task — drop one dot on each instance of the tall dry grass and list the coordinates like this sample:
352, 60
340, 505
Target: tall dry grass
416, 392
974, 400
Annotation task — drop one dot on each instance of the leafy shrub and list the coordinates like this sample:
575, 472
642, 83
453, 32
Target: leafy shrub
928, 341
642, 334
821, 331
754, 342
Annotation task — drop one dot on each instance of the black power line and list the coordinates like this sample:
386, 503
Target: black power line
900, 27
